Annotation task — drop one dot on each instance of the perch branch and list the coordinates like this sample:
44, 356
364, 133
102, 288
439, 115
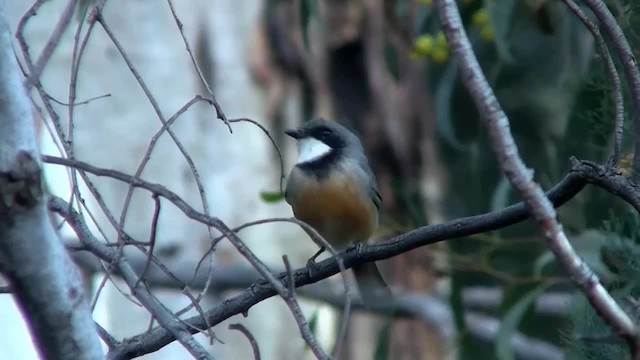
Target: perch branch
158, 337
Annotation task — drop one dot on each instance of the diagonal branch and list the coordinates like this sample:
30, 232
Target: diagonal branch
521, 178
157, 309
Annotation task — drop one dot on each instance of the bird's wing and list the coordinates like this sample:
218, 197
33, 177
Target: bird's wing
373, 187
375, 196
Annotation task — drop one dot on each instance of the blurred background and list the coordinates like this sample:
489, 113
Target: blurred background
383, 69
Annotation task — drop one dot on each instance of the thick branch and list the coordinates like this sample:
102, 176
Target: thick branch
43, 279
430, 309
609, 179
521, 178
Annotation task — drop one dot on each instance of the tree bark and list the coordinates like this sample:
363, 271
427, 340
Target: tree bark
44, 281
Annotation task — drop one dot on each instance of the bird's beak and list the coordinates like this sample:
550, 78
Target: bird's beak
294, 133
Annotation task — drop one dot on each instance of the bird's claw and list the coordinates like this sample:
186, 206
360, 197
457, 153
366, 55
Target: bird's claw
312, 266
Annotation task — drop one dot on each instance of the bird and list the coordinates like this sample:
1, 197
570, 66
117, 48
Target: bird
333, 189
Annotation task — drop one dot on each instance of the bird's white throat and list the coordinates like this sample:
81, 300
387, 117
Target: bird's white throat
310, 149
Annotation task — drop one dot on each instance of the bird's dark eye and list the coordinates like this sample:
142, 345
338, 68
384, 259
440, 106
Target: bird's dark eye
322, 133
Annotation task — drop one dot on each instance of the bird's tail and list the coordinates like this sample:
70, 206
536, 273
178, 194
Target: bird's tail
371, 284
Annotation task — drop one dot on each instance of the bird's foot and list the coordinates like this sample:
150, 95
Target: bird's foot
312, 265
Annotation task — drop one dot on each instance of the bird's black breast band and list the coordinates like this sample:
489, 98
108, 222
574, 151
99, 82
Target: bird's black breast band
321, 168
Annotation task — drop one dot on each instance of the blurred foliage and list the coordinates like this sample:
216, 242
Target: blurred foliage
541, 62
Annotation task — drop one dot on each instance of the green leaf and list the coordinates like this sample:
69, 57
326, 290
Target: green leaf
271, 196
382, 346
542, 261
501, 19
500, 197
313, 322
313, 326
442, 98
307, 10
511, 320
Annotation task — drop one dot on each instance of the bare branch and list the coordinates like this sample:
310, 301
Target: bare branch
249, 336
430, 309
157, 309
609, 179
616, 95
273, 142
156, 107
521, 178
289, 296
215, 104
84, 102
45, 283
152, 236
56, 35
106, 337
241, 303
629, 65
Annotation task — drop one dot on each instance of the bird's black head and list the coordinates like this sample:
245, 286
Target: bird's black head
328, 132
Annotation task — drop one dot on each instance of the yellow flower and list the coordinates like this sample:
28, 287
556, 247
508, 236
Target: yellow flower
440, 54
441, 40
424, 44
486, 32
414, 55
480, 17
625, 163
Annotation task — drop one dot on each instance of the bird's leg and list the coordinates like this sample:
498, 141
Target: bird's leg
311, 263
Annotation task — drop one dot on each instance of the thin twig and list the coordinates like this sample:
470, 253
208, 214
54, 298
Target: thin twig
152, 236
106, 337
156, 107
145, 159
101, 285
219, 111
84, 102
289, 296
321, 242
521, 178
273, 142
157, 309
31, 12
52, 44
616, 95
630, 67
97, 15
249, 336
